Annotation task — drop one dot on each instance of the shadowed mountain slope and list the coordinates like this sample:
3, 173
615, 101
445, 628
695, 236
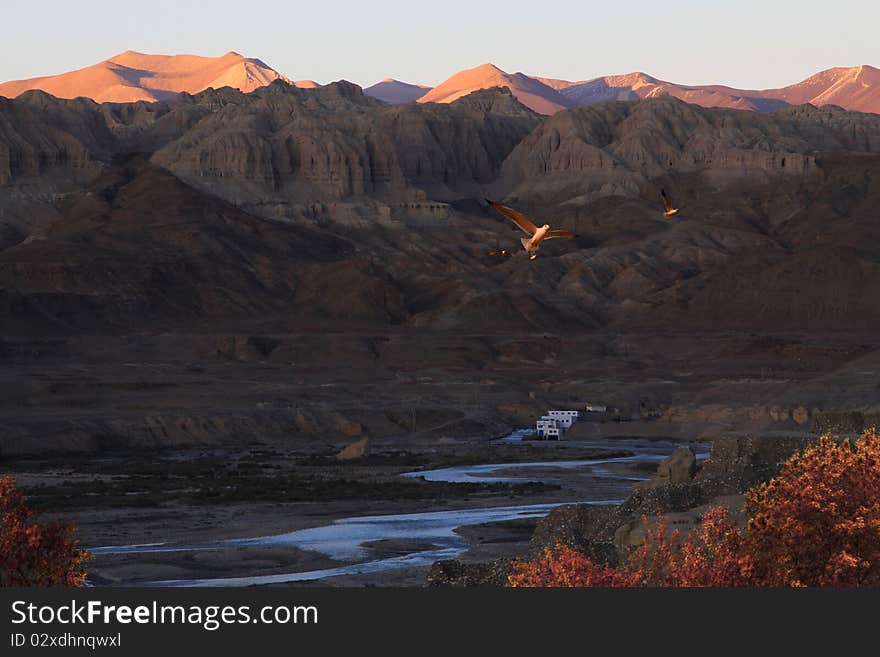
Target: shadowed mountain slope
326, 207
395, 92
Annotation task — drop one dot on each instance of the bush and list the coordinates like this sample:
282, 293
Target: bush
34, 554
818, 522
564, 566
815, 524
711, 556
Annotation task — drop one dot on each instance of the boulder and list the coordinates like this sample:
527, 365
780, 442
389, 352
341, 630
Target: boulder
677, 468
355, 450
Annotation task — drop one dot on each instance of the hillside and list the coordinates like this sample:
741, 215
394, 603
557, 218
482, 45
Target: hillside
529, 91
132, 76
394, 92
856, 88
753, 188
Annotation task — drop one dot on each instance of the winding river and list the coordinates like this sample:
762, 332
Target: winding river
345, 539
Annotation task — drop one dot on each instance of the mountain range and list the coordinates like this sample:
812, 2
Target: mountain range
132, 76
329, 237
856, 88
87, 186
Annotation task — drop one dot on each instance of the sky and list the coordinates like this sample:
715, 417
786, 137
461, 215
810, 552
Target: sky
748, 44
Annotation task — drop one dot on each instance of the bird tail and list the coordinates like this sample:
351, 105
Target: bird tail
524, 242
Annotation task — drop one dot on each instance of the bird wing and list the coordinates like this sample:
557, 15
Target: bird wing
666, 202
559, 233
516, 217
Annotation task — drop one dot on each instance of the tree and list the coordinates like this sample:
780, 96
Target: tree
818, 522
35, 554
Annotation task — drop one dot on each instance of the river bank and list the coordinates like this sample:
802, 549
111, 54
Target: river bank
194, 500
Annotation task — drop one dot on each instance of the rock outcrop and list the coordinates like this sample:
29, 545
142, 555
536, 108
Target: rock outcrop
617, 148
457, 573
588, 529
677, 468
289, 148
845, 422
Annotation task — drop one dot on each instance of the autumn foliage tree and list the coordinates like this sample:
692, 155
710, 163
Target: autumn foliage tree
815, 524
35, 554
818, 522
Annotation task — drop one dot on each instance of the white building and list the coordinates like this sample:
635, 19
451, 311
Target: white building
564, 418
544, 425
553, 425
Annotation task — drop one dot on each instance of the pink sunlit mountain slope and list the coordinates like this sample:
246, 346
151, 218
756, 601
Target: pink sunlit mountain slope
856, 88
133, 76
641, 85
531, 92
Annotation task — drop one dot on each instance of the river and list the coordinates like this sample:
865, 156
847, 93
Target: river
345, 539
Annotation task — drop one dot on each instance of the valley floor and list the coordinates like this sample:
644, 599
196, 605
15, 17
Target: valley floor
196, 438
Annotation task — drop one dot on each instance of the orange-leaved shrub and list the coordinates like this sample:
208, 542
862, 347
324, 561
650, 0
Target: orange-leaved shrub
710, 556
35, 554
817, 523
564, 566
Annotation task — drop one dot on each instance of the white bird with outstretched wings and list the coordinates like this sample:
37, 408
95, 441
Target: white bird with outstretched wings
536, 234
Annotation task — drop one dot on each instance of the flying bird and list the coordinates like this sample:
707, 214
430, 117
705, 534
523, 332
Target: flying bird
536, 234
499, 252
669, 211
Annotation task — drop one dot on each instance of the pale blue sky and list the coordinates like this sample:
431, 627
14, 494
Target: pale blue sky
747, 43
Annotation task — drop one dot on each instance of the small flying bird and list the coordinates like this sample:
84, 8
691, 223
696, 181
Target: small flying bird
536, 234
499, 252
670, 211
